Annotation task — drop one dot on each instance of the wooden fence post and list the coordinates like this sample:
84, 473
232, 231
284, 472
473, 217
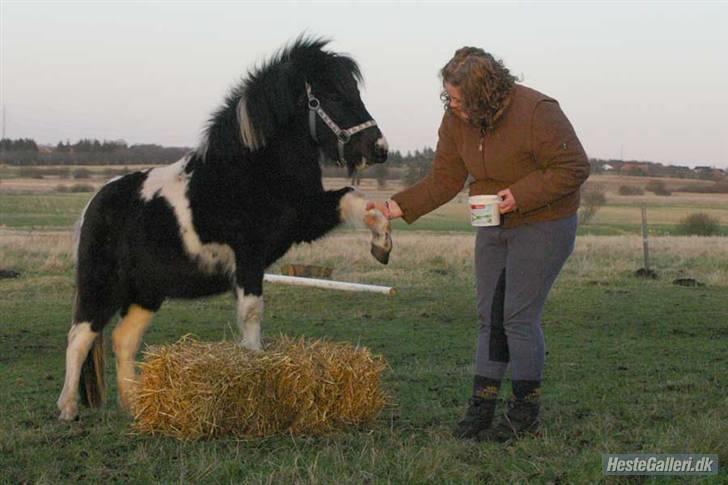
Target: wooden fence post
644, 239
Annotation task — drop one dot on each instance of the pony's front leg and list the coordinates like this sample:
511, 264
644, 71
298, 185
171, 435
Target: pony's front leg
249, 292
352, 208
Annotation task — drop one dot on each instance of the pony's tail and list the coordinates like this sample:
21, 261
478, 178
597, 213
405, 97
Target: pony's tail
92, 386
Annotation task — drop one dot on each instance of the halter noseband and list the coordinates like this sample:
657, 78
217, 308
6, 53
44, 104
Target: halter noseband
343, 136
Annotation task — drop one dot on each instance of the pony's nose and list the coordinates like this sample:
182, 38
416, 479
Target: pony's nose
380, 154
381, 149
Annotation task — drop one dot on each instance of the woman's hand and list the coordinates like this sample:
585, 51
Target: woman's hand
509, 202
389, 208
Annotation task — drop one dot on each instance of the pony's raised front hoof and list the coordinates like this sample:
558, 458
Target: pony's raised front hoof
381, 254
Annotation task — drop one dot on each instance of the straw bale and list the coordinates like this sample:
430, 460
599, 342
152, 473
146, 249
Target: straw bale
191, 389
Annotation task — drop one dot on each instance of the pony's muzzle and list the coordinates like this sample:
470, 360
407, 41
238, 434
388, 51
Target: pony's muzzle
380, 154
381, 150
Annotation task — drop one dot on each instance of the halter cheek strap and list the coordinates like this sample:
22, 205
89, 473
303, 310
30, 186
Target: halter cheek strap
343, 136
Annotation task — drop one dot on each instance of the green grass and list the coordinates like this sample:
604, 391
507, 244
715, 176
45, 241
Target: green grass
54, 211
41, 211
631, 367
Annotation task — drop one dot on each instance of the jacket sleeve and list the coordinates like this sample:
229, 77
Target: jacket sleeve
557, 150
446, 178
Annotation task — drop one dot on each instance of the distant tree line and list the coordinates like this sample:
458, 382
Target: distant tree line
26, 152
638, 168
19, 145
408, 167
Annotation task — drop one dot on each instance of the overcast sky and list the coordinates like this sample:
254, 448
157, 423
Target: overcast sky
644, 81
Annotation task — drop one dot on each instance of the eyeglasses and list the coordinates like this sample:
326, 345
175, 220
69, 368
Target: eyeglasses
447, 99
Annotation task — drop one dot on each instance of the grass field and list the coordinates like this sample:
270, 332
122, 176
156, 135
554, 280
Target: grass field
35, 204
632, 365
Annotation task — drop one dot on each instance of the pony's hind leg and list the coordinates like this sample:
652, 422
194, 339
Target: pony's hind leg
127, 337
85, 357
80, 340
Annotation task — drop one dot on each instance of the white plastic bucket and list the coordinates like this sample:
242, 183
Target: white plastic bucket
484, 210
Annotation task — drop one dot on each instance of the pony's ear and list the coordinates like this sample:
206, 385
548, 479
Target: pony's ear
267, 102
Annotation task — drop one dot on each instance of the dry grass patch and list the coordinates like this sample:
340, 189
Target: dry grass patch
609, 257
45, 252
413, 255
417, 255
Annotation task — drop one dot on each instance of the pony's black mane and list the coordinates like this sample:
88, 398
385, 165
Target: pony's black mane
306, 54
266, 99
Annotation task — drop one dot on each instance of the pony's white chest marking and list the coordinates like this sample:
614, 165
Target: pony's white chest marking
171, 182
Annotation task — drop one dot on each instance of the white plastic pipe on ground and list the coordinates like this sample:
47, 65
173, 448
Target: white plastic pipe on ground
328, 284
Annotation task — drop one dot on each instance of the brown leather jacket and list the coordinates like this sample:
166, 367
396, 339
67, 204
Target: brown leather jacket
532, 150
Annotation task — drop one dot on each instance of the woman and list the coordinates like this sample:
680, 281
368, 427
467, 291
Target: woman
517, 143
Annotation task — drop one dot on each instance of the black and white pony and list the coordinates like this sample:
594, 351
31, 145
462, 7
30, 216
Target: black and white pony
216, 219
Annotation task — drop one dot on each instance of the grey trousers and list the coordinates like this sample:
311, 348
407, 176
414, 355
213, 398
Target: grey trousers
514, 271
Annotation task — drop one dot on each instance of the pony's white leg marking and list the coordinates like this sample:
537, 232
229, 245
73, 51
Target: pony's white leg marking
127, 337
353, 209
379, 225
80, 340
250, 314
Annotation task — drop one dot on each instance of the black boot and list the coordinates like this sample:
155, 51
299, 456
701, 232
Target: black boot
519, 421
481, 409
478, 417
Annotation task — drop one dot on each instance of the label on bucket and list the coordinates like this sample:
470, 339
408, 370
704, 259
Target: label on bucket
484, 210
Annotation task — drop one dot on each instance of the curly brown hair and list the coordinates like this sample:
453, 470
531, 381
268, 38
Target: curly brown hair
485, 83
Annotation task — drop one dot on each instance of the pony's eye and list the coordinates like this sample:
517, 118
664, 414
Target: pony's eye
336, 98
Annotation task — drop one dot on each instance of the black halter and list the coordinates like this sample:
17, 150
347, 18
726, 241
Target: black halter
343, 136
